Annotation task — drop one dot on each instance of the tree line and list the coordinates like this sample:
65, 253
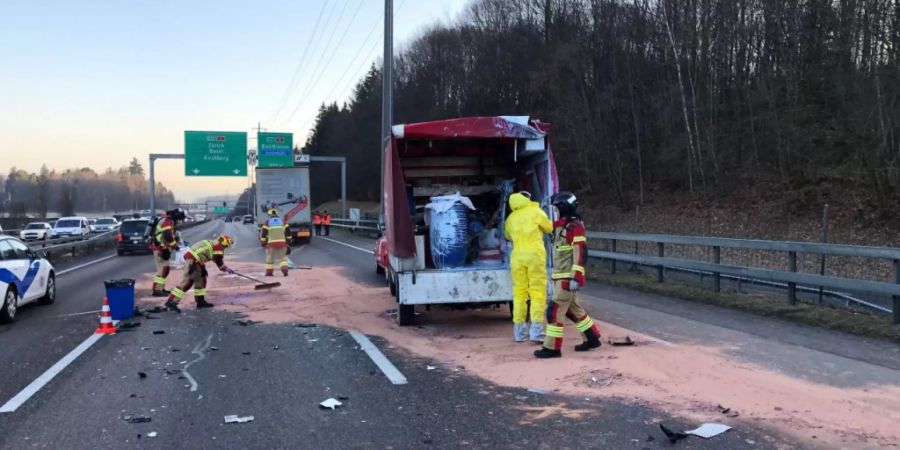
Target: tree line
696, 96
82, 190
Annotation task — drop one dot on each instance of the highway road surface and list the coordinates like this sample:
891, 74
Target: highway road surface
206, 365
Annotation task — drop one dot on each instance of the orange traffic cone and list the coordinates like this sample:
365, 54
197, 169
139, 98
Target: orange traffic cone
106, 325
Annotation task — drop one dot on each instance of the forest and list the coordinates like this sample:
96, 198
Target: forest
701, 97
83, 190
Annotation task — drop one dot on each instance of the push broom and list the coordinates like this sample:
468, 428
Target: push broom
261, 285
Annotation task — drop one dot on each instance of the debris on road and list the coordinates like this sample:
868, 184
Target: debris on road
215, 349
233, 418
142, 375
331, 403
244, 323
159, 332
708, 430
306, 325
151, 434
430, 367
538, 391
674, 436
727, 411
136, 419
246, 353
621, 341
274, 347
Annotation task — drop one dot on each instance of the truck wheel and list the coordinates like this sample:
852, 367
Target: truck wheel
406, 315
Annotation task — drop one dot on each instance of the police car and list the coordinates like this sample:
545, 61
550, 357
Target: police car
25, 277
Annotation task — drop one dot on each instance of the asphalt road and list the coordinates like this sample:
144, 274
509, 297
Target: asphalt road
278, 374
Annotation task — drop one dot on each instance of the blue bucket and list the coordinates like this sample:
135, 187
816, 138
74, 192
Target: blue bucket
121, 298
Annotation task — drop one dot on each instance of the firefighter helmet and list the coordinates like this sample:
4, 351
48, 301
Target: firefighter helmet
567, 203
273, 212
226, 241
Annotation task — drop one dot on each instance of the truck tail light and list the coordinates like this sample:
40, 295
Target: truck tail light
119, 237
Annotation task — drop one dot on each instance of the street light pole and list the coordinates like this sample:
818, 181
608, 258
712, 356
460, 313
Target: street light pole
387, 92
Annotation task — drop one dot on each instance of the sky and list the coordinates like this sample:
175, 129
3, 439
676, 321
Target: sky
92, 83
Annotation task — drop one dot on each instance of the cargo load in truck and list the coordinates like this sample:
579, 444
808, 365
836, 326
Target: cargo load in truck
446, 186
287, 190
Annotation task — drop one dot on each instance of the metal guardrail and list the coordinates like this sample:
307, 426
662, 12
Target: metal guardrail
791, 277
362, 224
73, 244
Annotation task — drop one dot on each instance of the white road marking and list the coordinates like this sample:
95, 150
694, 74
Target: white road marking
347, 245
36, 385
78, 314
81, 266
198, 350
378, 358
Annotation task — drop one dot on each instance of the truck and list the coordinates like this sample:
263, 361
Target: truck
287, 190
484, 160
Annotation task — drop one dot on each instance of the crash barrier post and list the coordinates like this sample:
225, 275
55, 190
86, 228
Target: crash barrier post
791, 279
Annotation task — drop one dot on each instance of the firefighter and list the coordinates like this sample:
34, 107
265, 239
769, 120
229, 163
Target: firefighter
317, 222
195, 273
525, 227
164, 242
569, 254
326, 220
273, 237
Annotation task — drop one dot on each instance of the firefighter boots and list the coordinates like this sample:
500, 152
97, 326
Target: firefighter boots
202, 303
544, 353
591, 341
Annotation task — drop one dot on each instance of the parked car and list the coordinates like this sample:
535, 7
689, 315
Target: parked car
71, 226
36, 231
104, 224
133, 237
248, 219
25, 277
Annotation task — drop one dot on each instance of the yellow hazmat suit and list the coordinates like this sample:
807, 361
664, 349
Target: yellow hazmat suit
525, 227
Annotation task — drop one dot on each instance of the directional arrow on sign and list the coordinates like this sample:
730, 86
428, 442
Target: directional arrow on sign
196, 171
236, 171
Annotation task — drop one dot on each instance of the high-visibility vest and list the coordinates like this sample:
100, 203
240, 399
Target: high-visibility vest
317, 219
203, 251
164, 225
275, 231
327, 219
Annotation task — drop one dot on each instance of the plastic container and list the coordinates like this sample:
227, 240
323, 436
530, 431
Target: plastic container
121, 298
449, 236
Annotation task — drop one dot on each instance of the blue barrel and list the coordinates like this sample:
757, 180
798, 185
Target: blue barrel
449, 236
121, 298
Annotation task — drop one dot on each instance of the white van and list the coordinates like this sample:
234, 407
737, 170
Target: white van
71, 226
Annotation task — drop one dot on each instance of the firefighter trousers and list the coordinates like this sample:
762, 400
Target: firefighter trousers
162, 271
565, 305
279, 255
194, 275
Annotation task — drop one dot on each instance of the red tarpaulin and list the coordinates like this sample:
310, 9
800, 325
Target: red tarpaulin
471, 127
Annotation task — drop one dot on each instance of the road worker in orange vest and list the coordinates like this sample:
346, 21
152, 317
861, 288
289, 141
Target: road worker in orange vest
317, 222
273, 237
327, 222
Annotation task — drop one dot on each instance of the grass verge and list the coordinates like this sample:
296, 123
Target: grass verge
851, 321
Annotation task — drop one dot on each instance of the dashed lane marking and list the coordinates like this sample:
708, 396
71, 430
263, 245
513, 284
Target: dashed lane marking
387, 368
346, 245
81, 266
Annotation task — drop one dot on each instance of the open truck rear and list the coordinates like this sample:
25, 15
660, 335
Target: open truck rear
287, 190
483, 159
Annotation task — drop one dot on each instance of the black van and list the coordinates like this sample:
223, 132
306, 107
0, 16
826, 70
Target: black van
133, 237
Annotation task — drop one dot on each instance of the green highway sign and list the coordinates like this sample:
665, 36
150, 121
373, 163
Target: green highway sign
221, 210
276, 149
215, 154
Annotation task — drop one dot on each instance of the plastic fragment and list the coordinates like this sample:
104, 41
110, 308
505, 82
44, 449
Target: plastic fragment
233, 418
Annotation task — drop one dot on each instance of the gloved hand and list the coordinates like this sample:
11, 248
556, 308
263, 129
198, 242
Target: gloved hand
574, 286
228, 270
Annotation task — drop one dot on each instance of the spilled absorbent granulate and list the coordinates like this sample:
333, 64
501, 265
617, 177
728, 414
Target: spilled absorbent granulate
687, 380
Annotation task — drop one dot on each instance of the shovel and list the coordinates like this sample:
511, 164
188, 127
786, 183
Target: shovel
261, 285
